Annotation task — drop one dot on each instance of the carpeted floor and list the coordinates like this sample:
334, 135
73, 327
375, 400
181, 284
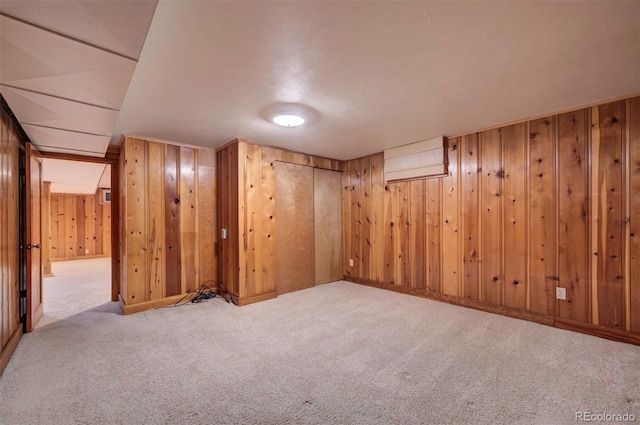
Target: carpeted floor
339, 353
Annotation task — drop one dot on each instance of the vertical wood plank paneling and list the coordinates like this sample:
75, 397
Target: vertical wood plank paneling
610, 230
156, 222
172, 221
634, 212
469, 152
573, 211
451, 224
552, 204
515, 146
347, 219
90, 223
56, 225
122, 217
46, 229
402, 236
80, 218
188, 238
390, 214
491, 206
365, 218
253, 194
542, 210
5, 278
169, 236
99, 227
9, 236
377, 218
70, 224
222, 215
356, 224
235, 235
241, 222
207, 230
417, 234
12, 187
268, 179
136, 224
103, 228
434, 191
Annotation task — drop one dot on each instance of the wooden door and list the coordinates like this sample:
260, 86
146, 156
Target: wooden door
327, 205
33, 254
294, 227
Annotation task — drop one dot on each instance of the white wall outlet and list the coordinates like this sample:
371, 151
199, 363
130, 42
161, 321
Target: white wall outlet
86, 251
350, 262
561, 293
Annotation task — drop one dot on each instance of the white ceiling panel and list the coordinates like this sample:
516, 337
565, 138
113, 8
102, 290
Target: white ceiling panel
44, 62
54, 140
72, 176
42, 110
105, 180
373, 75
118, 26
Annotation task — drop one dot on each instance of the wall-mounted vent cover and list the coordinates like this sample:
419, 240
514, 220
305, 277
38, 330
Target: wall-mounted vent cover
420, 159
106, 196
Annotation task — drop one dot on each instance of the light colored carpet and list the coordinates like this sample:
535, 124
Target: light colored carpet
339, 353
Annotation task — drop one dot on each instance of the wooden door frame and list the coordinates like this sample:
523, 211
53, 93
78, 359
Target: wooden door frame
112, 157
31, 319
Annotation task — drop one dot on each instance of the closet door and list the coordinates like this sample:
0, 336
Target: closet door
295, 231
327, 196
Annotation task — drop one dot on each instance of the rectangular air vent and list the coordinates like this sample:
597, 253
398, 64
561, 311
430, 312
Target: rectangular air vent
106, 196
420, 159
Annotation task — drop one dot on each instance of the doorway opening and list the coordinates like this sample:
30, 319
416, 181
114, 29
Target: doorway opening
76, 236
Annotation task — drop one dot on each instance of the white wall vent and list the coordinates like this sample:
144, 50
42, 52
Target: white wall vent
420, 159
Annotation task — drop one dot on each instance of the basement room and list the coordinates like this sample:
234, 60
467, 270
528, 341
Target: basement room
319, 212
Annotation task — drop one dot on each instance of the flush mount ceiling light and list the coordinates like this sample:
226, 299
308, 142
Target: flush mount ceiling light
288, 120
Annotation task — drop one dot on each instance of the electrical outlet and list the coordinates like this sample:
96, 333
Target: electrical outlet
351, 262
86, 251
561, 293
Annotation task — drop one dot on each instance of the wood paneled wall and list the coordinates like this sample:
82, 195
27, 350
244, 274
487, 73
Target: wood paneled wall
10, 327
46, 229
168, 213
247, 191
80, 226
525, 208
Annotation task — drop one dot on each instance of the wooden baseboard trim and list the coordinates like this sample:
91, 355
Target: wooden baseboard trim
256, 298
8, 350
463, 302
149, 305
598, 330
80, 257
558, 322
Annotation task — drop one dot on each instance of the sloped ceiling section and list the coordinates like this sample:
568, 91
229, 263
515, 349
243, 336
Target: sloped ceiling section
65, 68
85, 179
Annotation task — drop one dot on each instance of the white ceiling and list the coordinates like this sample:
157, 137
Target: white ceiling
373, 75
75, 177
366, 75
65, 68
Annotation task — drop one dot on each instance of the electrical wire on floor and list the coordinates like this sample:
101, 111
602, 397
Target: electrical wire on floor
206, 291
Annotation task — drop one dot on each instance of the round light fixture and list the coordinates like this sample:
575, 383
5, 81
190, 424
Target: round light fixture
288, 120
